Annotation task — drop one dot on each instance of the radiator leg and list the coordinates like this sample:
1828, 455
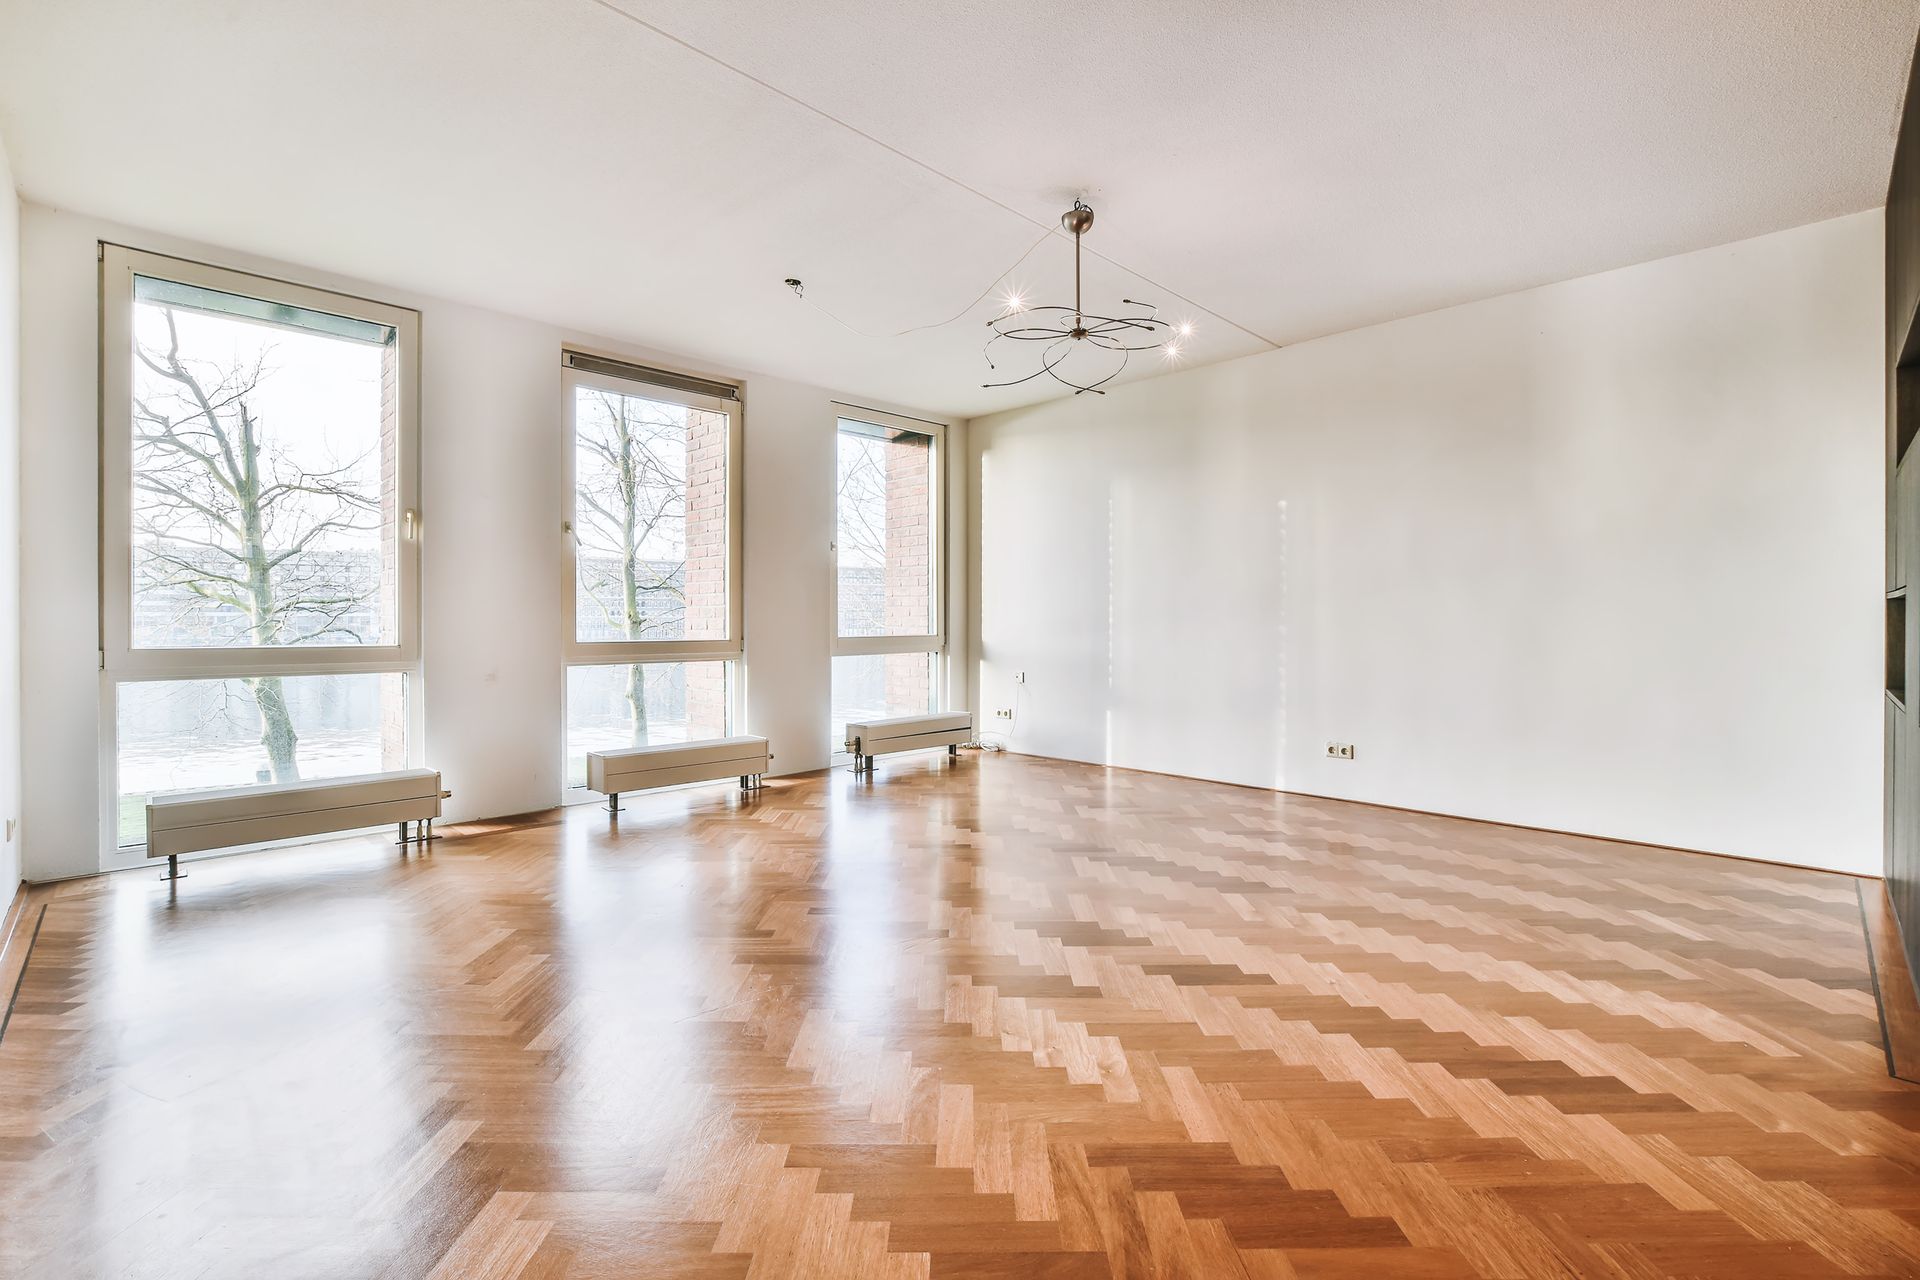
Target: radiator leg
953, 751
426, 830
406, 837
613, 802
173, 871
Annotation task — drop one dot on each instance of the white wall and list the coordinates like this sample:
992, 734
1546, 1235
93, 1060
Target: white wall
10, 841
493, 594
1603, 557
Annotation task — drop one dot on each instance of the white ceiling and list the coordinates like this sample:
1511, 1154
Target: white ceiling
1276, 171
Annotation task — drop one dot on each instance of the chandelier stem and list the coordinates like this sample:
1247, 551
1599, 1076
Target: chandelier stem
1078, 319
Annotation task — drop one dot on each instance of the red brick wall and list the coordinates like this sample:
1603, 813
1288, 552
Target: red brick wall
393, 714
909, 608
706, 572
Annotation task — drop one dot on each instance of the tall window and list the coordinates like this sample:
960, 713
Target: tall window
889, 572
654, 523
259, 480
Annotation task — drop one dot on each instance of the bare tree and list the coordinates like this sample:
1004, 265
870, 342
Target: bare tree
635, 489
862, 521
863, 501
226, 518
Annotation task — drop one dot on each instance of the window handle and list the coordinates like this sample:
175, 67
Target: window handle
410, 524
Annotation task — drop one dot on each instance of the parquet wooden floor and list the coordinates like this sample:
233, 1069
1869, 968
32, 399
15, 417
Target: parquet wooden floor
1007, 1017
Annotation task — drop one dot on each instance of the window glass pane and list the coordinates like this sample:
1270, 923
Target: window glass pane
639, 704
650, 519
265, 474
875, 686
181, 735
887, 570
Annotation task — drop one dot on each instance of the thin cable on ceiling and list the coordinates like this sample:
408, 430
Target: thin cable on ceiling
915, 161
800, 292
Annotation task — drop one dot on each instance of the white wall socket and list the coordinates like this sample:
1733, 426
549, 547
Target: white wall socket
1339, 751
1005, 713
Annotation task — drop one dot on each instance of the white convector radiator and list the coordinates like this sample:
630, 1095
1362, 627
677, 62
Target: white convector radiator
196, 821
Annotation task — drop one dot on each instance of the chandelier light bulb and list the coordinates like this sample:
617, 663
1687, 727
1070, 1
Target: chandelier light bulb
1186, 328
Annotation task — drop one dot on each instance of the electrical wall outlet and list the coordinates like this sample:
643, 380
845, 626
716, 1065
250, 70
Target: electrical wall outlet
1339, 751
1004, 713
1019, 677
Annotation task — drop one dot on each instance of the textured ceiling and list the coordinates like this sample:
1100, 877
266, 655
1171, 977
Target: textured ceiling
652, 169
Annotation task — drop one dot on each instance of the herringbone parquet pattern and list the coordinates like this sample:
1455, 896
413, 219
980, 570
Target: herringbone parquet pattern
1006, 1017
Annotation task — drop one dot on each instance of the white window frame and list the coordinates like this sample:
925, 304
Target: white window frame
120, 661
934, 643
119, 266
673, 388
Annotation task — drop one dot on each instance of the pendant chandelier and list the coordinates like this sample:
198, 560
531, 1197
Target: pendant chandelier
1081, 350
